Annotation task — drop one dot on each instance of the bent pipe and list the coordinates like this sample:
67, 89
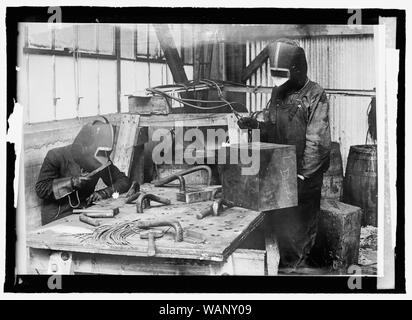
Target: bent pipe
134, 188
145, 198
182, 184
215, 209
218, 206
175, 176
146, 224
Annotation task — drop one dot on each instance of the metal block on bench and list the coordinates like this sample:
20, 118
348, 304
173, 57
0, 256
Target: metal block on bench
272, 186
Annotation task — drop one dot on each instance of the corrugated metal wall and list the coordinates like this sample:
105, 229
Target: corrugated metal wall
55, 87
335, 62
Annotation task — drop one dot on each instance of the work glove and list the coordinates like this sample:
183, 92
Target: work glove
248, 123
98, 195
79, 182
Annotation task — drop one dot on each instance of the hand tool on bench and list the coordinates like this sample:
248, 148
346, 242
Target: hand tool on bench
89, 220
143, 201
98, 212
89, 215
190, 194
146, 224
215, 209
151, 235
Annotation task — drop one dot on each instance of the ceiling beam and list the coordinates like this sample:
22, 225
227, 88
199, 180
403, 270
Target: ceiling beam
255, 64
172, 56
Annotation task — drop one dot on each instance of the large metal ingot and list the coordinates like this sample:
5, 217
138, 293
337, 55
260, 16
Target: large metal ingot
272, 186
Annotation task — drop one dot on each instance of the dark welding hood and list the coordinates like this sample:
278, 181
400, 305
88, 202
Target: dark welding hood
287, 62
93, 144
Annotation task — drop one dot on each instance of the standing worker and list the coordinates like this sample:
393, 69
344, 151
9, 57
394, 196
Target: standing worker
298, 115
64, 183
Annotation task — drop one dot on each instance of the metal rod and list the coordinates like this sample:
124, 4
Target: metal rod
265, 89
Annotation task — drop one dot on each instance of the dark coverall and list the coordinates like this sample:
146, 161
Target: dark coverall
302, 119
59, 163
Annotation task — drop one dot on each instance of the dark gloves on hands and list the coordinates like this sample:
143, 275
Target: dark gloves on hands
79, 182
248, 123
99, 195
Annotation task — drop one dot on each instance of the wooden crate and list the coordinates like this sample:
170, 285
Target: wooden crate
273, 186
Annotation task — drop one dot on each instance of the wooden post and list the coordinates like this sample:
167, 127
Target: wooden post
118, 67
255, 64
126, 141
173, 59
272, 250
235, 56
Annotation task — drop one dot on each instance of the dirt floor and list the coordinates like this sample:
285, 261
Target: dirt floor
367, 258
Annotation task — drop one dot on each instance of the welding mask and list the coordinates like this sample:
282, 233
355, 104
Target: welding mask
287, 63
93, 144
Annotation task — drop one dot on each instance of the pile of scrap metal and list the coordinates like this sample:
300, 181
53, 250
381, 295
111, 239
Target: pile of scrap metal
118, 234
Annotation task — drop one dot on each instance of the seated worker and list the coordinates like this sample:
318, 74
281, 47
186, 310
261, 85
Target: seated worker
63, 183
298, 115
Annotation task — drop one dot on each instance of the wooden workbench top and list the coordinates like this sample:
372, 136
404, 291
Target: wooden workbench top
222, 234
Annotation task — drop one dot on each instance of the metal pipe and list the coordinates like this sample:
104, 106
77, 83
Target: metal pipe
175, 176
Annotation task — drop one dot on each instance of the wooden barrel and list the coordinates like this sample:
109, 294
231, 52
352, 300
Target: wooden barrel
333, 178
361, 182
